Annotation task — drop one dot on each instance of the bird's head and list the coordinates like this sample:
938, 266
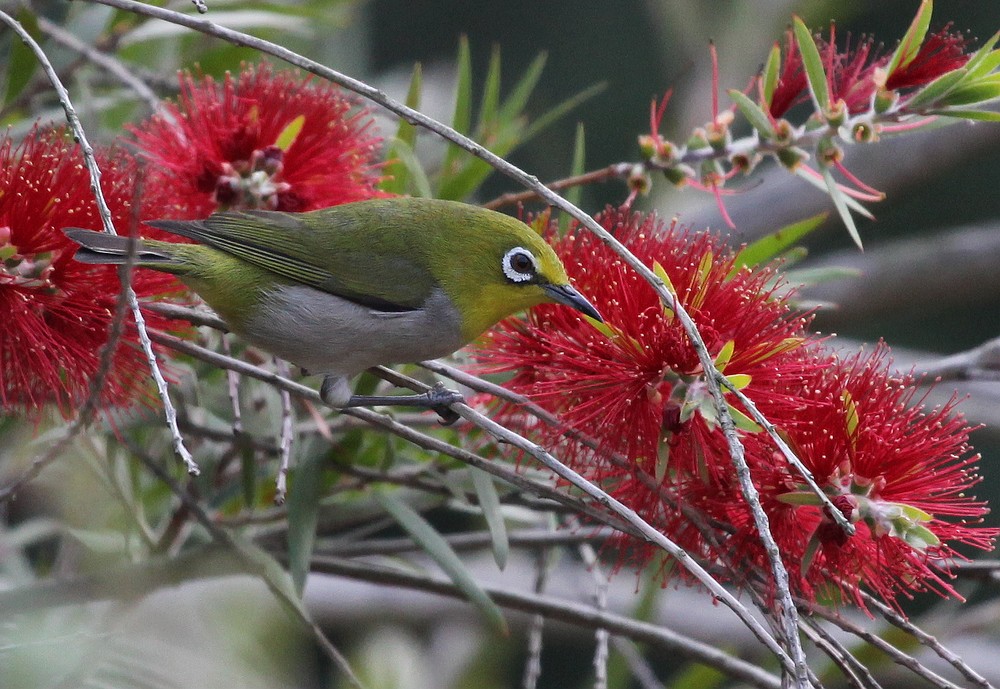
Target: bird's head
497, 266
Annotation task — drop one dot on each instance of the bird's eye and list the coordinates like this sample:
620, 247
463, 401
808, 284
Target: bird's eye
519, 265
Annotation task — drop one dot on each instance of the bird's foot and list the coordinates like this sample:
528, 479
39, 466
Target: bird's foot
441, 399
438, 398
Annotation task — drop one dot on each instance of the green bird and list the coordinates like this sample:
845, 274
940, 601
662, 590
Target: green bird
342, 289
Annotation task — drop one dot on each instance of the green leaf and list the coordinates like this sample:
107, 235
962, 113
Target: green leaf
920, 537
742, 421
935, 90
769, 246
840, 203
438, 550
851, 203
607, 330
851, 417
461, 120
303, 515
516, 102
980, 115
290, 133
771, 72
813, 64
985, 59
739, 380
489, 502
578, 167
662, 459
491, 93
21, 64
913, 39
414, 176
397, 171
800, 497
562, 109
757, 118
981, 91
724, 355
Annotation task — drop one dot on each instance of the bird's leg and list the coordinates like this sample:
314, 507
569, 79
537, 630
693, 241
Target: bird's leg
439, 398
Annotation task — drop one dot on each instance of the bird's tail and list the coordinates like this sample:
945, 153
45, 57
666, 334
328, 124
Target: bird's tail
104, 248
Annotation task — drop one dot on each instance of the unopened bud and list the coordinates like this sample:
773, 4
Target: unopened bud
638, 179
791, 157
865, 133
829, 153
884, 100
678, 175
836, 114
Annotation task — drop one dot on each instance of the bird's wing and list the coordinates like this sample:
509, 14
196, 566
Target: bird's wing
337, 251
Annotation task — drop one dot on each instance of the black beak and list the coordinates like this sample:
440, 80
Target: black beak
564, 294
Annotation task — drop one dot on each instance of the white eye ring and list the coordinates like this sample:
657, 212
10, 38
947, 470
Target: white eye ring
512, 273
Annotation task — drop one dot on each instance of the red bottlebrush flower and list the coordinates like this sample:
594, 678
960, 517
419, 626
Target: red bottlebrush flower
791, 87
267, 140
900, 473
634, 384
55, 311
850, 72
940, 53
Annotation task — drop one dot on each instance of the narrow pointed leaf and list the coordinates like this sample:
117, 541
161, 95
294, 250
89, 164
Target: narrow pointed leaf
979, 115
851, 203
739, 380
413, 174
578, 167
489, 502
725, 355
303, 515
290, 133
839, 201
461, 120
397, 172
984, 60
757, 118
937, 89
491, 93
976, 93
851, 416
813, 64
562, 109
771, 71
742, 421
21, 62
770, 246
913, 39
515, 103
438, 550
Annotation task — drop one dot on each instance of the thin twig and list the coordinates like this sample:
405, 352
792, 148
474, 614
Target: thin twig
896, 655
614, 171
900, 622
108, 63
560, 609
839, 656
281, 483
391, 425
601, 635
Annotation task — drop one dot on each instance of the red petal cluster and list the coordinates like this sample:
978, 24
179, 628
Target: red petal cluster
854, 73
270, 140
55, 311
643, 426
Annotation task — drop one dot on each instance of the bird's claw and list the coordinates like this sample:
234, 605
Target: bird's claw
441, 399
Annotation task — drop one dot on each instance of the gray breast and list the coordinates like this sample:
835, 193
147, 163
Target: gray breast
326, 334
